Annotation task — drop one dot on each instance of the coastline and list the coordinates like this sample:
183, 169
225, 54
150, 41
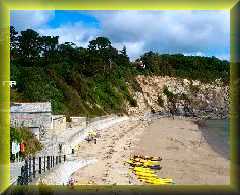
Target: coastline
216, 134
187, 157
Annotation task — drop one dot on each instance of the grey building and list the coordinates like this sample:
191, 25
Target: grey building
36, 116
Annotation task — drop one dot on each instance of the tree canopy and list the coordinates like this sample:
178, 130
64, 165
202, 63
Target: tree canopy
92, 80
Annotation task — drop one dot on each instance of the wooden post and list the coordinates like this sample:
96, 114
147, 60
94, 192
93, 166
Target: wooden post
48, 162
56, 160
60, 159
34, 169
53, 160
20, 178
30, 170
22, 171
40, 165
64, 157
26, 172
44, 164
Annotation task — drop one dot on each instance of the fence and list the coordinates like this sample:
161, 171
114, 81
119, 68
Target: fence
36, 166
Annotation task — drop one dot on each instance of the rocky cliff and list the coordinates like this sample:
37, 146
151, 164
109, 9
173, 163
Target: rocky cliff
184, 97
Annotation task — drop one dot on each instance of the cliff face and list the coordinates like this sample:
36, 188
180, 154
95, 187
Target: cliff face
192, 98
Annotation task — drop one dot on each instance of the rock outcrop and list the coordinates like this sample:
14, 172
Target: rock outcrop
188, 97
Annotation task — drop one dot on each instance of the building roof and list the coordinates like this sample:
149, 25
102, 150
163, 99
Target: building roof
31, 107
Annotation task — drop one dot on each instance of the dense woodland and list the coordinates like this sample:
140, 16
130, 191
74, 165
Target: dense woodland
94, 80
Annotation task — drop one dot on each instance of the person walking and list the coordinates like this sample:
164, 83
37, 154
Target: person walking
60, 148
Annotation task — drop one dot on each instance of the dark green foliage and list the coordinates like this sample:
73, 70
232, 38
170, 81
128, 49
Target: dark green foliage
95, 80
205, 69
183, 96
194, 88
25, 135
160, 101
15, 135
168, 93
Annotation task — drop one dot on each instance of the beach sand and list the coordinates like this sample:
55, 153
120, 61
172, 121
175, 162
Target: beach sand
111, 150
187, 157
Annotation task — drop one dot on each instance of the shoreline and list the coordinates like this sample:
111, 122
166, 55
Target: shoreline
216, 136
187, 156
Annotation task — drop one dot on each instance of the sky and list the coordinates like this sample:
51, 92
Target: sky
203, 33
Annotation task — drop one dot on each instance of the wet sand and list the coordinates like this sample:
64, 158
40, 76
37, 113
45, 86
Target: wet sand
187, 156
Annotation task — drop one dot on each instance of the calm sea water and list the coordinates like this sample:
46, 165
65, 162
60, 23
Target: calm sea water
220, 127
217, 135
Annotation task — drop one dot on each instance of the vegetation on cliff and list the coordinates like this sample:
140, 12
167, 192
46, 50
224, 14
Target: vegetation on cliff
94, 80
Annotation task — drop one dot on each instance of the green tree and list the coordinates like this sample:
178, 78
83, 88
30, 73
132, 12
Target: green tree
29, 46
100, 43
13, 42
124, 51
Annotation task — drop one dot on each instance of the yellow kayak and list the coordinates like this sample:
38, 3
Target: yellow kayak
155, 181
163, 180
129, 161
141, 169
152, 181
145, 174
150, 163
146, 178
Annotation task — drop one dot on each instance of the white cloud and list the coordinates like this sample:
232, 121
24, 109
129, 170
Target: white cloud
22, 20
76, 33
169, 31
195, 54
188, 32
134, 49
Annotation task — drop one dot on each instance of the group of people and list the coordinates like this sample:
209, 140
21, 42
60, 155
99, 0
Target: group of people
17, 150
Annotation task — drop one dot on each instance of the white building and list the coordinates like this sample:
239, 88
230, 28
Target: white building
35, 116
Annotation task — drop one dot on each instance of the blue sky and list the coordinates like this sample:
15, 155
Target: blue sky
205, 33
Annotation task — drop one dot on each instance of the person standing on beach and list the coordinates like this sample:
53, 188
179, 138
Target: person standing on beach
60, 148
172, 113
171, 110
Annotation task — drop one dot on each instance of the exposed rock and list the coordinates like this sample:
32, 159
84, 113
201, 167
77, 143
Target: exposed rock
191, 98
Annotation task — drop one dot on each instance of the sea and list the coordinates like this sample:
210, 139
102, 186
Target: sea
216, 134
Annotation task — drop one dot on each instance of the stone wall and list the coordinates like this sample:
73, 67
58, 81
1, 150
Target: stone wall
78, 121
31, 120
59, 121
38, 123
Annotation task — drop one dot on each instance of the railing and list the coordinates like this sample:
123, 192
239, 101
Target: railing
41, 163
37, 166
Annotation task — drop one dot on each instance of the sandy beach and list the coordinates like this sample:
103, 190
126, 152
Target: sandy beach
187, 157
111, 150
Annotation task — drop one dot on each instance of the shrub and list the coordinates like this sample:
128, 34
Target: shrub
25, 135
160, 101
168, 93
